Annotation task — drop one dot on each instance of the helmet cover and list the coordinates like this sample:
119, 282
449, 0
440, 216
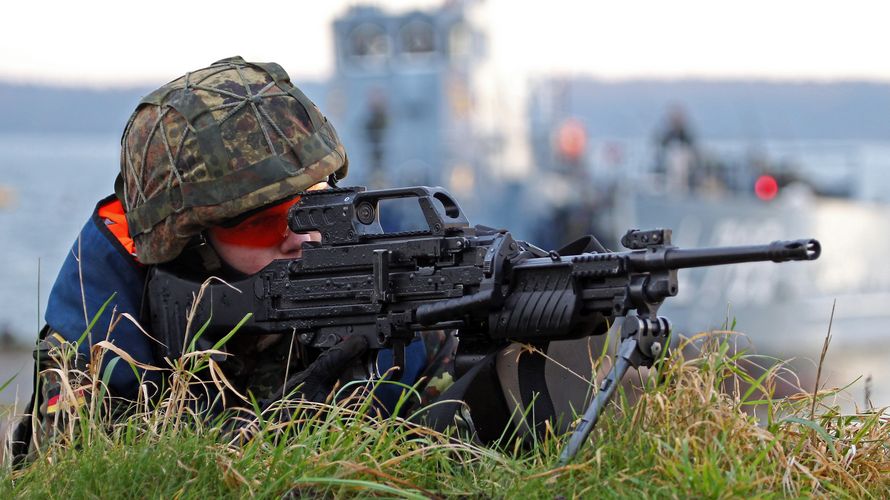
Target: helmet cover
214, 144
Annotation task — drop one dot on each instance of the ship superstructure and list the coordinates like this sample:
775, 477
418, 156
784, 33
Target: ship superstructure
402, 97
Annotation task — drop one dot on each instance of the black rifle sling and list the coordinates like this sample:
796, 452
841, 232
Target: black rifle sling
481, 391
536, 400
488, 406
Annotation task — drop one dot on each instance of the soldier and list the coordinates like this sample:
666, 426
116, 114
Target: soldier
210, 164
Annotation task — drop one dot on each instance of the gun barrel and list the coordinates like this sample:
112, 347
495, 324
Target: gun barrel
777, 251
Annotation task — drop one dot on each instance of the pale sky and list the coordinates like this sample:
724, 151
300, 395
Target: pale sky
152, 41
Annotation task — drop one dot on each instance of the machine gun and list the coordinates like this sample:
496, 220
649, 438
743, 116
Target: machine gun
491, 288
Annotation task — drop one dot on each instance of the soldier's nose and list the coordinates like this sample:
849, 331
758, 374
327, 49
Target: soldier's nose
292, 244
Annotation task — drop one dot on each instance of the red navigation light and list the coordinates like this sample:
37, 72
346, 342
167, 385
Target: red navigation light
766, 187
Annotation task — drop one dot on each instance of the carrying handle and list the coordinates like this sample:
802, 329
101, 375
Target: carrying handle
439, 217
347, 215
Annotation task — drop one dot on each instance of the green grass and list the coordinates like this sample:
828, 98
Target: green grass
688, 432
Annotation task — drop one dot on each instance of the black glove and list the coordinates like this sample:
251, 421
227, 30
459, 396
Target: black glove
318, 379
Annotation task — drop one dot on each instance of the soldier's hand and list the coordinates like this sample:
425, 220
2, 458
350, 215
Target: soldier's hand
317, 381
314, 384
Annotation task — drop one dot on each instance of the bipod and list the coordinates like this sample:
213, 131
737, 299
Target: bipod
643, 340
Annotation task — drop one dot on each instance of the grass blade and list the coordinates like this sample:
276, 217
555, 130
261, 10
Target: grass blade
221, 342
95, 319
6, 384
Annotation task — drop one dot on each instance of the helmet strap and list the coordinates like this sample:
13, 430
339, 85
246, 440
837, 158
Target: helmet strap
212, 263
199, 257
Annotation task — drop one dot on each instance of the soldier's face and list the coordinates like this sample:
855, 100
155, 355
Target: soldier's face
250, 259
254, 242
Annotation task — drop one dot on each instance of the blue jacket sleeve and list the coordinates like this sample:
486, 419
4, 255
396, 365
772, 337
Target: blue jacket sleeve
96, 268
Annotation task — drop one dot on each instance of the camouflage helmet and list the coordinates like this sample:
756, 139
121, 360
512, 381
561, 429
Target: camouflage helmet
214, 144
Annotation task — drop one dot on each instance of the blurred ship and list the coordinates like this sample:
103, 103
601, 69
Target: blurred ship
728, 196
406, 99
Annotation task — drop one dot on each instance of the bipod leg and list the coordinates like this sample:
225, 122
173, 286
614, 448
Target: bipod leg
588, 421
